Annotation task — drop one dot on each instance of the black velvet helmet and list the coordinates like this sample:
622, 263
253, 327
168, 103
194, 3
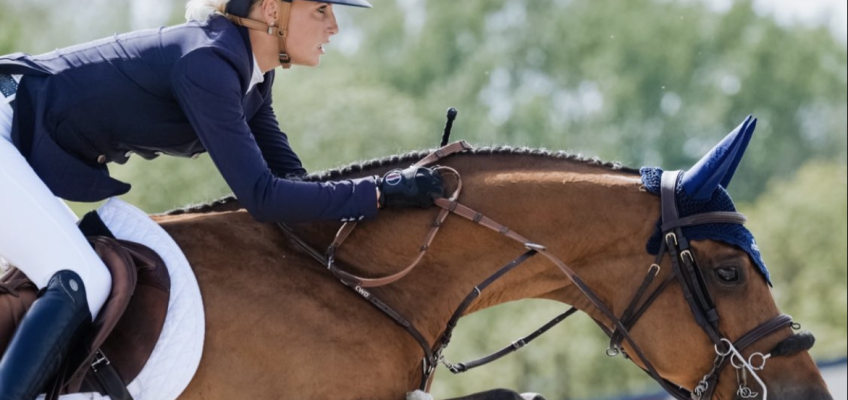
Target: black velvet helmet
242, 7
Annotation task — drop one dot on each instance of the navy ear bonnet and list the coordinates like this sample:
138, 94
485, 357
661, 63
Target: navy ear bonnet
734, 234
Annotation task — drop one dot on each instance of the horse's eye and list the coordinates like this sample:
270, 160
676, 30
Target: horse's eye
729, 275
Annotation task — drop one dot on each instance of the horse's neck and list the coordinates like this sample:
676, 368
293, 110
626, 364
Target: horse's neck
593, 218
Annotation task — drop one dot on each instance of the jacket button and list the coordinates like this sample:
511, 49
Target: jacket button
101, 159
195, 155
128, 154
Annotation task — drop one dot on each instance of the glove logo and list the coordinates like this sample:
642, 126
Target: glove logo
393, 178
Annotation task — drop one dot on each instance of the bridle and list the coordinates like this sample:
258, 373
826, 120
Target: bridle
690, 276
675, 244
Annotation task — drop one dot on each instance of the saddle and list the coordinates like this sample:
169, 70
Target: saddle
122, 336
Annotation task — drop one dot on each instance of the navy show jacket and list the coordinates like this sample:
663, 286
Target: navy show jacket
180, 90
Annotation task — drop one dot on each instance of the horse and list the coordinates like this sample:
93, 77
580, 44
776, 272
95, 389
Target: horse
696, 314
280, 326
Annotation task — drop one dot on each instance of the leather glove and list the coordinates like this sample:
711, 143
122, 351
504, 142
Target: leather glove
413, 186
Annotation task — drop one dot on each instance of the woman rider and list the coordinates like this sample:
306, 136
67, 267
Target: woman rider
200, 86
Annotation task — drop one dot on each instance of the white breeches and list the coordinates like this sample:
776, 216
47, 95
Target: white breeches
38, 232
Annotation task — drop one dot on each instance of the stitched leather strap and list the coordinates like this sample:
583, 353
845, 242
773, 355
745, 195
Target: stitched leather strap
515, 346
280, 30
477, 217
348, 227
717, 217
453, 148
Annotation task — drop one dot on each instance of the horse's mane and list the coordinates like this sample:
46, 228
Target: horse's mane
227, 203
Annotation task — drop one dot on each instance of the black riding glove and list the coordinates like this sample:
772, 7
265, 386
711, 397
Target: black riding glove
413, 186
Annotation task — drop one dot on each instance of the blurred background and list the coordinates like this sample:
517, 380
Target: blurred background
643, 82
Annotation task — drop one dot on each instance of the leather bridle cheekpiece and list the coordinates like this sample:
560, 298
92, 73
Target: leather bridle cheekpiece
685, 270
280, 29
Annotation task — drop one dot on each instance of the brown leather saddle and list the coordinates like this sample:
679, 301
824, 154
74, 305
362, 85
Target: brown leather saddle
124, 333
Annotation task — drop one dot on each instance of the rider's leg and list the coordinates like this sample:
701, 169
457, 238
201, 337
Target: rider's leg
38, 236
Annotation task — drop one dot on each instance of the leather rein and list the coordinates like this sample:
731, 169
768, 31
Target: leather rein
685, 271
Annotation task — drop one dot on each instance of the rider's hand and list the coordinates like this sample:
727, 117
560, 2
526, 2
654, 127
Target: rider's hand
413, 186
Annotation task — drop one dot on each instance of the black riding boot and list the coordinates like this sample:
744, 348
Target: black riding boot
43, 340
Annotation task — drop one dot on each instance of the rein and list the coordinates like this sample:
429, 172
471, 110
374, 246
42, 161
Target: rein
685, 271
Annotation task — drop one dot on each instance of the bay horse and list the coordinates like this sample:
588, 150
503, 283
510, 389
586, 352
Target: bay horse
280, 326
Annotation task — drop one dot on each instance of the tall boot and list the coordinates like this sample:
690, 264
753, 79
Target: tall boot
43, 340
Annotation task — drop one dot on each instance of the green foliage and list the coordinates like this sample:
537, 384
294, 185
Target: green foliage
645, 82
801, 226
566, 363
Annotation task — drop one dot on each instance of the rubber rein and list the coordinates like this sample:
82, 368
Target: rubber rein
686, 271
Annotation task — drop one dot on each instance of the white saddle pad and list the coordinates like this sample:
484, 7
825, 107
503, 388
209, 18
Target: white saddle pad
177, 353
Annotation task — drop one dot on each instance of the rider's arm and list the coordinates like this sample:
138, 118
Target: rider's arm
208, 89
273, 142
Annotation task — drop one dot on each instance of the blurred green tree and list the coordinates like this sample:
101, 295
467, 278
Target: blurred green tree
801, 225
645, 82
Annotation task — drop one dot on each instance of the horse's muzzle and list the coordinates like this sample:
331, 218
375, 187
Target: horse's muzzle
797, 392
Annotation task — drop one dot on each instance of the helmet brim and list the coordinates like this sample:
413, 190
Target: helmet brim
354, 3
242, 7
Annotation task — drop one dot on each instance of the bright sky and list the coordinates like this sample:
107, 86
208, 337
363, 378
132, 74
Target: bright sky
832, 13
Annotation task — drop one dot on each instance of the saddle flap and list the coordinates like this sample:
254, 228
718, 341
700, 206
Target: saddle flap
124, 278
135, 336
129, 324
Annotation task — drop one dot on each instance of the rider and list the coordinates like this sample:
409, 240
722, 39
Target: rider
201, 86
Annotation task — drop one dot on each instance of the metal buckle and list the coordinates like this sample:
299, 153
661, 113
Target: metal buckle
673, 236
655, 269
99, 360
687, 253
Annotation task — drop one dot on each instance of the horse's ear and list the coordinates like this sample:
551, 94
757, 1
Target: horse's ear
718, 166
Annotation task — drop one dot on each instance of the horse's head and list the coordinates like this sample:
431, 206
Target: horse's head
727, 338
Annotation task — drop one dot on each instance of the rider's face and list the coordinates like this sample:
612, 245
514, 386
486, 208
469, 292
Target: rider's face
310, 27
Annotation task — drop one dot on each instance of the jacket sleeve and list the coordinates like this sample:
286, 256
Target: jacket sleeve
273, 142
207, 87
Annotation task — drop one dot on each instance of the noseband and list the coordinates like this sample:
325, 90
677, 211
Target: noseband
685, 270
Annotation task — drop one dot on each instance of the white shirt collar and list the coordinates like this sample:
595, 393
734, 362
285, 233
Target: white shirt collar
257, 76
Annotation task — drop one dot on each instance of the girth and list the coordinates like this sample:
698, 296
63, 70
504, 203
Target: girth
685, 271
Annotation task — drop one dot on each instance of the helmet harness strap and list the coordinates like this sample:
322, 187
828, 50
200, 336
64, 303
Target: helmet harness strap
280, 29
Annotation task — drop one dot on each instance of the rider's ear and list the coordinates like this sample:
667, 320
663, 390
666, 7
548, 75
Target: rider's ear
269, 11
718, 166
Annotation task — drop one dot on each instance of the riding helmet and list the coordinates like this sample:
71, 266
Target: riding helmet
242, 7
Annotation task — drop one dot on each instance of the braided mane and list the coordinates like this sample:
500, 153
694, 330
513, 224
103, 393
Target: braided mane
227, 203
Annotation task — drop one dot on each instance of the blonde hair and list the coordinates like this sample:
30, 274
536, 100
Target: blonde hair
201, 10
